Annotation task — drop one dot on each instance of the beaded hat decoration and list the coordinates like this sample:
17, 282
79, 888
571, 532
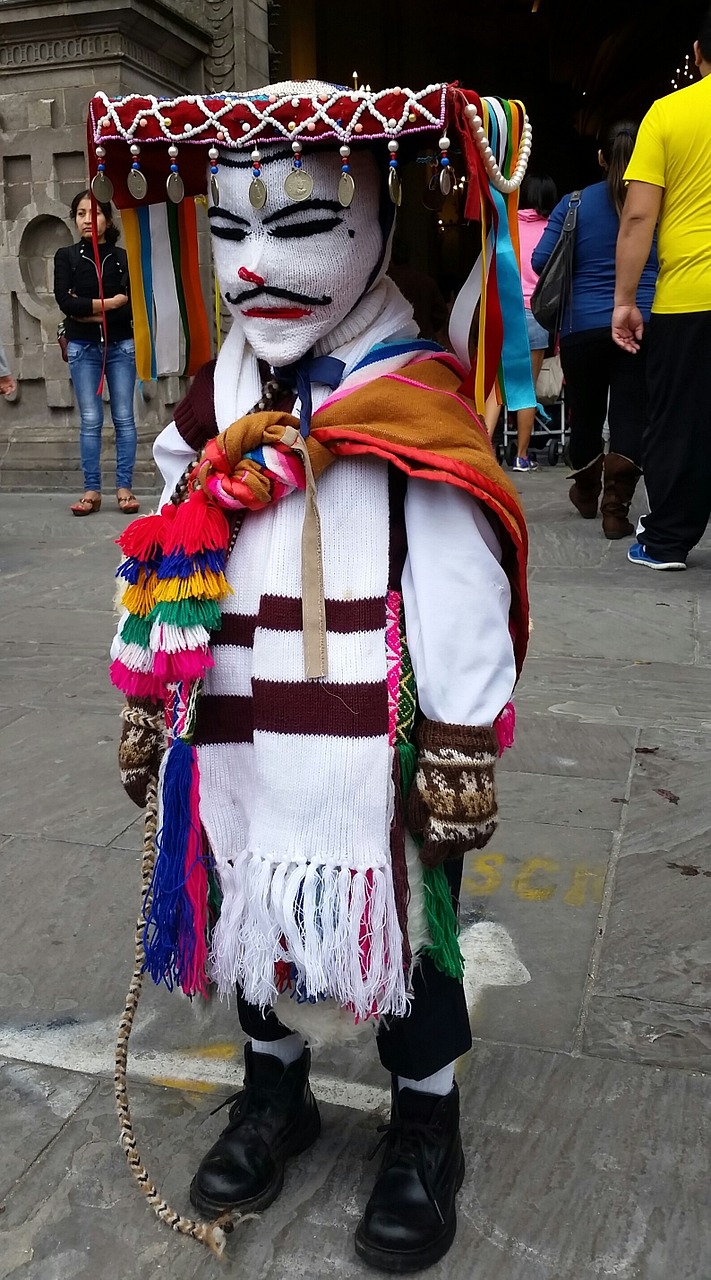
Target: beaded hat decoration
155, 156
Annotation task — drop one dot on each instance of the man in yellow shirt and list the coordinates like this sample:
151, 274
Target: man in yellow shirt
669, 179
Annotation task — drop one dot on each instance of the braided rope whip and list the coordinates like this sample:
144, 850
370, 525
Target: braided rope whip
142, 719
214, 1235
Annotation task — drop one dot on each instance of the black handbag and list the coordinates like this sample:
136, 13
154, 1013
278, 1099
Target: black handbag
549, 298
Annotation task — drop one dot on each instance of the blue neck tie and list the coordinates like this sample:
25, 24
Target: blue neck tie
326, 370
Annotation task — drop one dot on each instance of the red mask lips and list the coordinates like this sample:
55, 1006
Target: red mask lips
277, 313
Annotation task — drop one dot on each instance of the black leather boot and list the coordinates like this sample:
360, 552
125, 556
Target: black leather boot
410, 1220
586, 488
274, 1117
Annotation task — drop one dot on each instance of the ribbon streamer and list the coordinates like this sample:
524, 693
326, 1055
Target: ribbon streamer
165, 294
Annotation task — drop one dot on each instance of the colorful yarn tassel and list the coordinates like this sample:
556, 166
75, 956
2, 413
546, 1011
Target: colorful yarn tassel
174, 572
136, 684
136, 630
176, 905
187, 665
505, 726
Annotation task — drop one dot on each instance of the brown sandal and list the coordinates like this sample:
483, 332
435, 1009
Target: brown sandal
128, 504
87, 505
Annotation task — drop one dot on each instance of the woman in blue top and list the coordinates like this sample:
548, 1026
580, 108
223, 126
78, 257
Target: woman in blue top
596, 370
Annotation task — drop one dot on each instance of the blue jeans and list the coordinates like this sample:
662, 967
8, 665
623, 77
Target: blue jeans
85, 362
538, 339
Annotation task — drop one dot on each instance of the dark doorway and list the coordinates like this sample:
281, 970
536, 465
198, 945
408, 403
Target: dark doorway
577, 66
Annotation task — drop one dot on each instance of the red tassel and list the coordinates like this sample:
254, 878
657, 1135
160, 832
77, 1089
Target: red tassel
505, 727
143, 539
199, 525
282, 976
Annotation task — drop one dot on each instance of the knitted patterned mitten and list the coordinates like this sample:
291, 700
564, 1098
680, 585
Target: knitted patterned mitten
141, 746
452, 803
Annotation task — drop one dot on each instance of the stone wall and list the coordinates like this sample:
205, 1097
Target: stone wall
54, 55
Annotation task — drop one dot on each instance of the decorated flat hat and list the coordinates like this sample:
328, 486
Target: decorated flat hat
155, 156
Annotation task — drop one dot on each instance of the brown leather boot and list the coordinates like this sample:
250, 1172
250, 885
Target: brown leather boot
585, 489
621, 476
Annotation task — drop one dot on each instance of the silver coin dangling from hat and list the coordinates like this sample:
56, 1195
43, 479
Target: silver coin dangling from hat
102, 188
174, 186
298, 184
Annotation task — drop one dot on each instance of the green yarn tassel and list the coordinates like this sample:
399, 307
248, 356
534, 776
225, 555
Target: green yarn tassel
187, 613
136, 631
407, 755
442, 924
441, 919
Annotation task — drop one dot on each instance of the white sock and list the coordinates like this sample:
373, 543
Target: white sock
287, 1050
440, 1083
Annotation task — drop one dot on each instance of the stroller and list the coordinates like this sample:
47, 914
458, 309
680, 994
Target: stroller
550, 435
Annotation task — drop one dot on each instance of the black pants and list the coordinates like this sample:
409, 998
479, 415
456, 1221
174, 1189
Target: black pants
434, 1033
595, 368
676, 449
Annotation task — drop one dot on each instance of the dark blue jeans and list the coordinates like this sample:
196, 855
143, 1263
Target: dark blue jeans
85, 362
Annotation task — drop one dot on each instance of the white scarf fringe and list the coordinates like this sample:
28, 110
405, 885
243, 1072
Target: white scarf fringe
310, 915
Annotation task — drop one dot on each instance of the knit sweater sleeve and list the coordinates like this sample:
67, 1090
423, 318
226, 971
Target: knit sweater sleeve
457, 600
195, 414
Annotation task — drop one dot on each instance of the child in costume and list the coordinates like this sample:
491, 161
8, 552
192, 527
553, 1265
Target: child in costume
324, 627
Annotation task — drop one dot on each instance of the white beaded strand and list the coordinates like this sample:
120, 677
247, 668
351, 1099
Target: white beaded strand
502, 184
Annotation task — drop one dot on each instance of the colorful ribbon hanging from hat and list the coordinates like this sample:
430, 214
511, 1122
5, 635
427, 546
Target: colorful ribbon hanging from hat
502, 352
166, 293
516, 377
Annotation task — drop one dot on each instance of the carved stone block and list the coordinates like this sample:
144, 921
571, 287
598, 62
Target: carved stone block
59, 394
40, 113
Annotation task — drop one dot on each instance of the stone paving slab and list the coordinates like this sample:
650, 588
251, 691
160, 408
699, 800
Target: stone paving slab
72, 900
703, 630
544, 886
567, 621
566, 802
73, 628
554, 1189
567, 747
42, 675
596, 691
657, 939
35, 1104
650, 1031
560, 545
72, 758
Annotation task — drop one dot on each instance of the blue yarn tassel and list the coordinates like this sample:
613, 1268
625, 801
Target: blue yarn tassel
169, 937
180, 565
130, 569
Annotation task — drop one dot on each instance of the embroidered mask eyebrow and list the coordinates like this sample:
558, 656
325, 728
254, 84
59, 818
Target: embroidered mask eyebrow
294, 230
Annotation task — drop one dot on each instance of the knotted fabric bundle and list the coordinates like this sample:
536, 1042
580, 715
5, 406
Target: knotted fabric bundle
256, 461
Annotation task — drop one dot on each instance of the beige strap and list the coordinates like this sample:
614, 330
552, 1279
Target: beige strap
312, 590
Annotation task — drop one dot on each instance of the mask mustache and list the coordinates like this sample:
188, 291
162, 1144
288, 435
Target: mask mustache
266, 291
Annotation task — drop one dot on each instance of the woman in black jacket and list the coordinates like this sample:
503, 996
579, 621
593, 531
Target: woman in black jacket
76, 289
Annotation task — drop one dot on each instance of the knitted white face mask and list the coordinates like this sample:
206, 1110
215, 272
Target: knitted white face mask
291, 272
